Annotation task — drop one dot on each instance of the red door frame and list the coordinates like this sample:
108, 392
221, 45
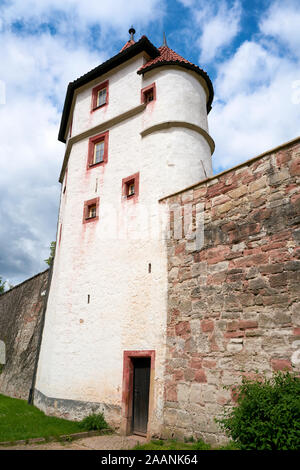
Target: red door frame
127, 390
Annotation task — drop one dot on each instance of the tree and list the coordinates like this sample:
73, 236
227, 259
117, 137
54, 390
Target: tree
2, 286
267, 415
49, 260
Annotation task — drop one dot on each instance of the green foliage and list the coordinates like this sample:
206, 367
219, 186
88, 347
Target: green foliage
230, 446
158, 442
173, 445
94, 422
49, 260
2, 286
189, 439
267, 415
18, 420
201, 445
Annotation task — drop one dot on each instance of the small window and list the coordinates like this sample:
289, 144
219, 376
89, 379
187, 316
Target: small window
100, 95
98, 150
130, 187
90, 210
148, 94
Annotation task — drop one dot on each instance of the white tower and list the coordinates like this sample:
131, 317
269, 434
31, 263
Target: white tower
136, 130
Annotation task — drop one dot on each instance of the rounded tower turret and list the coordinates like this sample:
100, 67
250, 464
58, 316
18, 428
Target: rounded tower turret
174, 124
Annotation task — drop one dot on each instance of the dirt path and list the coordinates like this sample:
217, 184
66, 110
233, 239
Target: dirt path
114, 442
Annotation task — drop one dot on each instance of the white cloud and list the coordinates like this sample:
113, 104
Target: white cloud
250, 67
282, 22
35, 69
215, 25
219, 31
79, 14
255, 107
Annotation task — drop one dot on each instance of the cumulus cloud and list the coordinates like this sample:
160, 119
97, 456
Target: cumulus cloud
282, 22
216, 24
77, 14
38, 58
219, 31
255, 107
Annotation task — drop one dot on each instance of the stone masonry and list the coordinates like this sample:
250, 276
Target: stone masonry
234, 289
20, 322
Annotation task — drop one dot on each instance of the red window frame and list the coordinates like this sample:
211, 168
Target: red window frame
92, 142
95, 91
87, 204
126, 183
146, 90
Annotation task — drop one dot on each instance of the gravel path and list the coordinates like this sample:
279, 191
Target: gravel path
114, 442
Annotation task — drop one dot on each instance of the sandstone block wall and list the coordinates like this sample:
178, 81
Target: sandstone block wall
20, 321
234, 287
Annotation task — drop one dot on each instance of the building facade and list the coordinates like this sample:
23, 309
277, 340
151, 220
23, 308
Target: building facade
135, 130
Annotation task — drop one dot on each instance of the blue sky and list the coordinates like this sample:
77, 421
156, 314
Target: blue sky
251, 51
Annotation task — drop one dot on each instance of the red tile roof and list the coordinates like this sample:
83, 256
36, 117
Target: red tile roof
128, 44
166, 55
169, 57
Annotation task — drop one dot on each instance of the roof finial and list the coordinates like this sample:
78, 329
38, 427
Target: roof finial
165, 41
131, 32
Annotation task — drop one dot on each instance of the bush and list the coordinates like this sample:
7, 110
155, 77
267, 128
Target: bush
94, 422
267, 415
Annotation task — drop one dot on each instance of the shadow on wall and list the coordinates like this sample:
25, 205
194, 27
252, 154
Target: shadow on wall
21, 311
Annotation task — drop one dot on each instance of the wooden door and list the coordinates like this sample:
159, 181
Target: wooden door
141, 383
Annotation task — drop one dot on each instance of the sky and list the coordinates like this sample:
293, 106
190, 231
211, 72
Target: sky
250, 49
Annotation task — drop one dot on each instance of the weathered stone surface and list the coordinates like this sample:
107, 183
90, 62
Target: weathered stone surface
20, 322
245, 313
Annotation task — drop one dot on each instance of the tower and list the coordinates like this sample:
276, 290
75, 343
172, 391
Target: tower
135, 130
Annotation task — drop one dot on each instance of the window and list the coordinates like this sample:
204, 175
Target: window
98, 152
130, 186
148, 94
100, 96
98, 148
91, 210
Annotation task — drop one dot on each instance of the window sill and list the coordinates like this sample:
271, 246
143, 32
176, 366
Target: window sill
90, 219
98, 107
91, 165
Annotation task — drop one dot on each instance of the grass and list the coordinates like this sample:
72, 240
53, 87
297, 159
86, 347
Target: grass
173, 445
18, 420
177, 445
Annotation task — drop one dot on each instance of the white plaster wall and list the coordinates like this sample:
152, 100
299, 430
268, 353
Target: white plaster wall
124, 94
82, 349
179, 96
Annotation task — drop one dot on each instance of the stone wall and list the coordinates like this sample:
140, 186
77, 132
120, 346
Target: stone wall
234, 287
20, 321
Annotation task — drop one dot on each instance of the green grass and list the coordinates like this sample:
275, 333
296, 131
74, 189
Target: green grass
18, 420
173, 445
178, 445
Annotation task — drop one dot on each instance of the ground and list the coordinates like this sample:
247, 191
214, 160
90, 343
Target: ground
110, 442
